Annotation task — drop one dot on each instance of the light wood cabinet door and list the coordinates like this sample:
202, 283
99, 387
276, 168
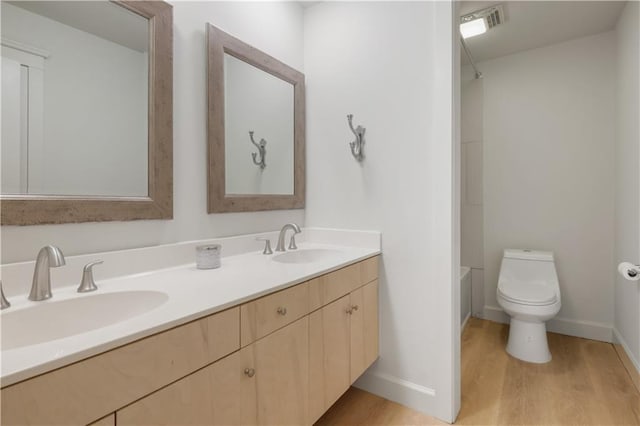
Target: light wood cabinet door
213, 396
364, 328
329, 343
281, 379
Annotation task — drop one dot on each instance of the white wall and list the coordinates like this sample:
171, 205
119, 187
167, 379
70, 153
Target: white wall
276, 28
471, 212
627, 248
390, 64
95, 109
549, 172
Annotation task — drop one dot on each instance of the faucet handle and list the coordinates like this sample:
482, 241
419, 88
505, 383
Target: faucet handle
267, 245
4, 302
292, 243
88, 284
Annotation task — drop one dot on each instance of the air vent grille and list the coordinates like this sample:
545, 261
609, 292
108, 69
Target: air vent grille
494, 16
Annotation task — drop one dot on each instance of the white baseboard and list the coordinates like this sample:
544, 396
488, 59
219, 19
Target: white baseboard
493, 313
586, 329
412, 395
617, 337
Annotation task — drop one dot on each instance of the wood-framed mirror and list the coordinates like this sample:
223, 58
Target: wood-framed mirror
93, 138
255, 128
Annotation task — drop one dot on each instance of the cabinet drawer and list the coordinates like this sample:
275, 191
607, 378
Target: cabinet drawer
332, 286
265, 315
90, 389
369, 269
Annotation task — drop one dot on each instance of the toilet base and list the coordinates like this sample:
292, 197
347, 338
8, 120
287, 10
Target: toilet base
528, 341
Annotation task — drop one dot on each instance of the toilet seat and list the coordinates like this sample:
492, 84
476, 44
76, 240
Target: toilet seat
527, 293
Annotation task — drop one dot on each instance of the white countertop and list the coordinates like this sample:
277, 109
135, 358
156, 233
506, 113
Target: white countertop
192, 294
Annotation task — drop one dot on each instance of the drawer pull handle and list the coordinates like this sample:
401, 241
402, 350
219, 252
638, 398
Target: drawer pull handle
351, 309
282, 311
249, 372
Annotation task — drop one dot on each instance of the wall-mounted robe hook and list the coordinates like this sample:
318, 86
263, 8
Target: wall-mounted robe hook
356, 145
262, 151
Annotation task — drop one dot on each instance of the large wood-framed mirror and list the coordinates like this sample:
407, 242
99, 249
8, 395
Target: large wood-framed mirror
87, 117
256, 128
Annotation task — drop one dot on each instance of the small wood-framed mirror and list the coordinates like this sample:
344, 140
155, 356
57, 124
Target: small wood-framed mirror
256, 128
88, 111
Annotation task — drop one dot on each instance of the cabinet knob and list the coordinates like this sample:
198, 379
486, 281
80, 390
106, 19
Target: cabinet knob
351, 309
249, 372
282, 311
354, 307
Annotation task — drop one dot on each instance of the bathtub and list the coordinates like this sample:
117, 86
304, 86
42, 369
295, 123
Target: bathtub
465, 295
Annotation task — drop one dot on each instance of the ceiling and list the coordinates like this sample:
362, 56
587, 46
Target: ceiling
100, 18
532, 24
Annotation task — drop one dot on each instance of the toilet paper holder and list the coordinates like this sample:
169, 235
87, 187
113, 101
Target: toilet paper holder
629, 271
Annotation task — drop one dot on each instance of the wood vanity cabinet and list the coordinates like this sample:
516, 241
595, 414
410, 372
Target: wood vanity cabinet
281, 359
265, 383
343, 344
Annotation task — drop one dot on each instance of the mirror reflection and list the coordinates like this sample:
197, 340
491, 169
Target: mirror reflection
259, 130
74, 99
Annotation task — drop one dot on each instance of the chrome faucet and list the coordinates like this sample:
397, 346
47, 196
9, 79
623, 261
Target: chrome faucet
283, 231
48, 257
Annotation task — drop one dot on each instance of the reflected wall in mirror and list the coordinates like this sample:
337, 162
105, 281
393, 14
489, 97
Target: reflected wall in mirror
74, 104
255, 128
259, 102
86, 111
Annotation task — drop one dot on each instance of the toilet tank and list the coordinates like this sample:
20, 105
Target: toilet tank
528, 266
525, 254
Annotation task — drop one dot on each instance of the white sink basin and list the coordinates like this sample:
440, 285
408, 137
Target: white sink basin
305, 255
51, 320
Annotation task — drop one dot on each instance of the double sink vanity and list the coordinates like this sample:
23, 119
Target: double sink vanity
264, 339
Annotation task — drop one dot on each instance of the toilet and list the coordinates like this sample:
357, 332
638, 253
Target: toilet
529, 293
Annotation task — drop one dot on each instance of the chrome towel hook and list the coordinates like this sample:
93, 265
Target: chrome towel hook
262, 151
356, 145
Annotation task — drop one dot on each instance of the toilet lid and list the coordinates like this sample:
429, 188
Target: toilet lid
527, 294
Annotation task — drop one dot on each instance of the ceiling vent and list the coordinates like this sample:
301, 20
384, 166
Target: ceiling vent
492, 16
495, 16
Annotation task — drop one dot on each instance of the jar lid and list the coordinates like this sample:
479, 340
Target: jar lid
214, 248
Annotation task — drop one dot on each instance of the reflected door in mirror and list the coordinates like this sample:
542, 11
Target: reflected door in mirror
75, 82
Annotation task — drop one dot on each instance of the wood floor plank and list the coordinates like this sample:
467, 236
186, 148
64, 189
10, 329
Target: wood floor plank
631, 369
585, 383
483, 372
357, 407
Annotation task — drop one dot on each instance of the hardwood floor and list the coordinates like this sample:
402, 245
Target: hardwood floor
357, 407
585, 384
628, 364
